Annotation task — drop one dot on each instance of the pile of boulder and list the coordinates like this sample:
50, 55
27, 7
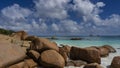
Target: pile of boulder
33, 52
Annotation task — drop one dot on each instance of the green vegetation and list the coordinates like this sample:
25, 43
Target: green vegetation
6, 32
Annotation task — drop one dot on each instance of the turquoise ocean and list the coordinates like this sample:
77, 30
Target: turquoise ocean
90, 41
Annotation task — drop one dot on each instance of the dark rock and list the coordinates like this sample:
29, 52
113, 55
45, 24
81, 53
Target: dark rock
89, 55
52, 59
76, 39
115, 62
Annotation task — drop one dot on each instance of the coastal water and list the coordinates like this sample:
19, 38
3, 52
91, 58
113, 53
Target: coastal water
90, 41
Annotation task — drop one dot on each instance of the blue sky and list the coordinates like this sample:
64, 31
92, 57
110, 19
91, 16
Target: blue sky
61, 17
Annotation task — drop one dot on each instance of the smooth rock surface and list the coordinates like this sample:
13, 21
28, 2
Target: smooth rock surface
89, 55
10, 54
51, 58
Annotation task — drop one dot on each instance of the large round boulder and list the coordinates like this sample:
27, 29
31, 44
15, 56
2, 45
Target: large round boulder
89, 55
52, 59
42, 44
115, 62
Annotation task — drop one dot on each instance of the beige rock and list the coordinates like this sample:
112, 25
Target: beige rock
17, 65
26, 44
10, 54
27, 63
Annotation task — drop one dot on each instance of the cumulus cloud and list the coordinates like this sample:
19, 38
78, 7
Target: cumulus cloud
55, 9
54, 16
16, 12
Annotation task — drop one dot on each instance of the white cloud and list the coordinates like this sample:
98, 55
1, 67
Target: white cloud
51, 8
55, 27
84, 7
15, 12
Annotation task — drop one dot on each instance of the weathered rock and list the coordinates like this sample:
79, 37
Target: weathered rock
25, 44
20, 35
34, 55
70, 63
89, 55
79, 63
93, 65
51, 58
10, 54
66, 48
63, 52
17, 65
29, 63
76, 39
42, 44
30, 38
103, 51
115, 62
76, 63
110, 48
